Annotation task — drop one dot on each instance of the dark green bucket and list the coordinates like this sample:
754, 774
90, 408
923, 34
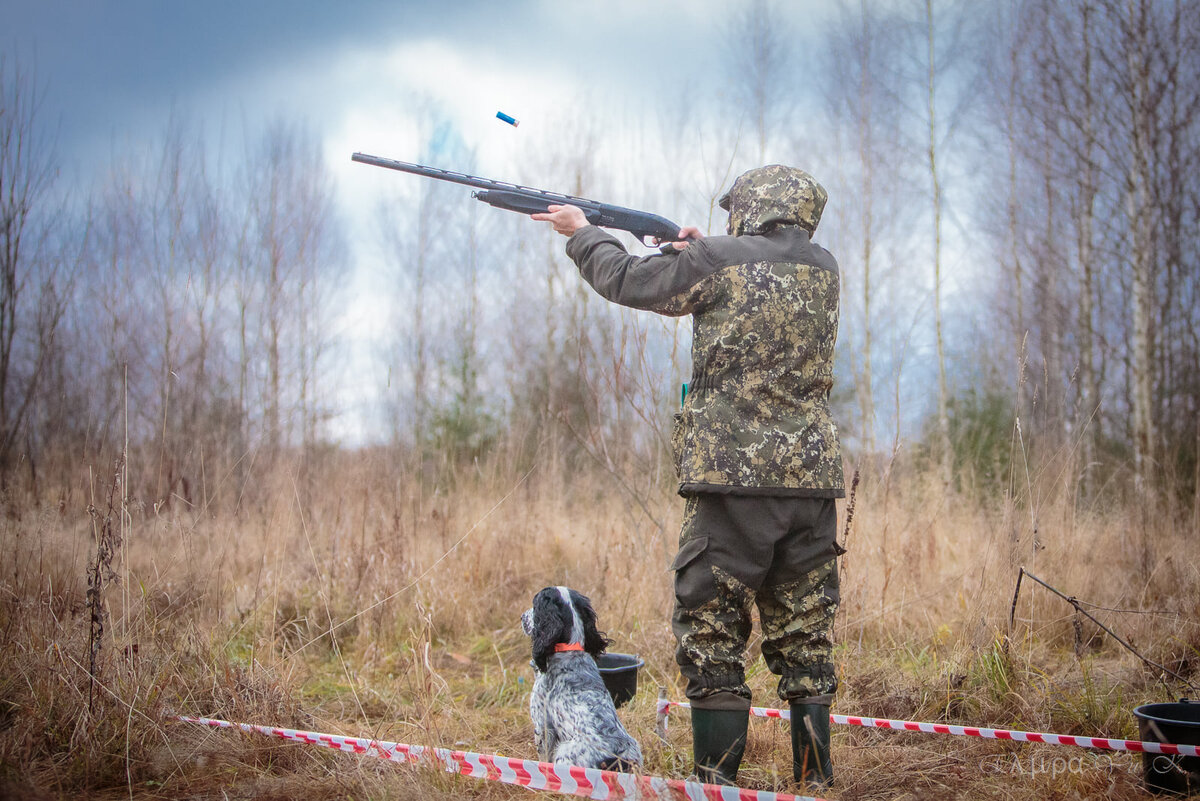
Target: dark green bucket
1170, 723
619, 672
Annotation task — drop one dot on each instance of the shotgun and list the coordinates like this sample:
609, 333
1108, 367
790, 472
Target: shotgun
527, 200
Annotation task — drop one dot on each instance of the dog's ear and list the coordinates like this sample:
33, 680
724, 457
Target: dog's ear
551, 625
594, 641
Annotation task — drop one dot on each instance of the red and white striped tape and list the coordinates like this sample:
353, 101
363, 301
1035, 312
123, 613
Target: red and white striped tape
555, 777
1140, 746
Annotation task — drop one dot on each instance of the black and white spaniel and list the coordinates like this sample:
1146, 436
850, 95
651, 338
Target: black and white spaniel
574, 719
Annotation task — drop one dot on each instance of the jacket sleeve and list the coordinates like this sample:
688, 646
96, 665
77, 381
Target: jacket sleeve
673, 283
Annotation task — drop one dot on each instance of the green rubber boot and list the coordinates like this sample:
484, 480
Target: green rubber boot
811, 762
718, 743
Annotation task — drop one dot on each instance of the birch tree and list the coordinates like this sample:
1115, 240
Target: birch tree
294, 255
865, 110
1107, 131
935, 184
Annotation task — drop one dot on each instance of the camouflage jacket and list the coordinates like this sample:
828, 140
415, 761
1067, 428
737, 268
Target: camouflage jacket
764, 319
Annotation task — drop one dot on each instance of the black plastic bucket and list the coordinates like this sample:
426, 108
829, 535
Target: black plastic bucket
619, 672
1170, 723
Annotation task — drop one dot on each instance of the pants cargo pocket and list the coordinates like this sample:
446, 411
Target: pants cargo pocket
693, 575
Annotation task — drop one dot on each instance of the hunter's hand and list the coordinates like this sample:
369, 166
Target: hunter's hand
687, 235
565, 219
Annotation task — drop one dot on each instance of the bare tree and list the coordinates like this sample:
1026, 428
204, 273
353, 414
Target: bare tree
155, 313
34, 292
1178, 400
760, 71
1085, 213
938, 96
1138, 62
1005, 70
865, 110
935, 181
1148, 64
1107, 134
412, 235
294, 255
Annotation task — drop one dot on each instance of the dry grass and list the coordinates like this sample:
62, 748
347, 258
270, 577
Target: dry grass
358, 598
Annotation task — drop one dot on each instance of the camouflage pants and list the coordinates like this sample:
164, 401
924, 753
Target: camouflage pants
740, 551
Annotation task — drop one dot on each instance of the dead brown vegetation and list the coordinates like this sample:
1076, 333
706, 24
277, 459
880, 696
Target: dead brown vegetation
367, 600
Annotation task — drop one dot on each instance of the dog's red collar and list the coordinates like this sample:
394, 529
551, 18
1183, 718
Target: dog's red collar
568, 646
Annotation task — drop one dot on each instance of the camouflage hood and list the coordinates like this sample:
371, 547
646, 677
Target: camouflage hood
774, 195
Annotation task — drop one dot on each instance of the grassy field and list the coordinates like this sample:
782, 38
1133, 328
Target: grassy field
363, 598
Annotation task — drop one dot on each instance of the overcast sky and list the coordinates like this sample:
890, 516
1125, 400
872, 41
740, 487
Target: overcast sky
111, 74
